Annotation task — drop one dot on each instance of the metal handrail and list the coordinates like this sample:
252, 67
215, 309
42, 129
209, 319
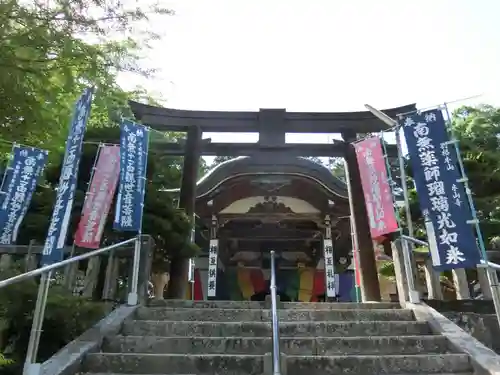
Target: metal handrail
46, 269
30, 365
275, 322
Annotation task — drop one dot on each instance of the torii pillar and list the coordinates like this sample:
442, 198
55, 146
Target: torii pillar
179, 264
370, 288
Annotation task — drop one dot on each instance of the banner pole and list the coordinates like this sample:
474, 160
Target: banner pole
492, 274
354, 237
31, 367
133, 296
92, 171
191, 266
413, 295
192, 281
355, 260
68, 281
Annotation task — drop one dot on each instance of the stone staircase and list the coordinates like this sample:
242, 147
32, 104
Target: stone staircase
234, 338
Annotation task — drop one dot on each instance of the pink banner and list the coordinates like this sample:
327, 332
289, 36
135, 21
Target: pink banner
99, 197
378, 196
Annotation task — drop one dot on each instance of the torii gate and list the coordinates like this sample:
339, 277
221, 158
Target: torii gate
272, 126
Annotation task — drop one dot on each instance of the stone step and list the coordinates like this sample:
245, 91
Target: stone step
374, 364
339, 305
263, 329
173, 303
200, 314
115, 373
174, 364
296, 365
288, 345
181, 303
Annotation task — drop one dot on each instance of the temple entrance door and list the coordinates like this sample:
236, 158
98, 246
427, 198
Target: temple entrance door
294, 233
281, 289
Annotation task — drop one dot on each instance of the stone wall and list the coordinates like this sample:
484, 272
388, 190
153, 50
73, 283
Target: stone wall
476, 317
483, 327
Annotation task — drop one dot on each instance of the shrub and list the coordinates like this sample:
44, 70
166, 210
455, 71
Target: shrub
4, 361
66, 317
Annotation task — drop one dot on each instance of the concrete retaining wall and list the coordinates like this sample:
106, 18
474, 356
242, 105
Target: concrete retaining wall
476, 317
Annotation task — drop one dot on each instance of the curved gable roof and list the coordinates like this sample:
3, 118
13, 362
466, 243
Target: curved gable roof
263, 164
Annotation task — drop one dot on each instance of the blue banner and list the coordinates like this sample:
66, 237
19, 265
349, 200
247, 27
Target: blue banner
53, 250
452, 241
134, 139
20, 182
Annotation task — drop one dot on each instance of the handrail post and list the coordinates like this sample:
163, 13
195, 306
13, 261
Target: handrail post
275, 324
413, 295
31, 367
133, 296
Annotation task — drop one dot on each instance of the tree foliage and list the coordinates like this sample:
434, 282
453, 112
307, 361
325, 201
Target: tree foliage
50, 51
478, 130
5, 361
220, 159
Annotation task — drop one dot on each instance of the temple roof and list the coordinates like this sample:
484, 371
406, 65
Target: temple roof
164, 119
269, 165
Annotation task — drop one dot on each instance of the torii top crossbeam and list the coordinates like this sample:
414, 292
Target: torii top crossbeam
264, 121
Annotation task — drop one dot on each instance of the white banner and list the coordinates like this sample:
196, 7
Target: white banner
212, 268
330, 284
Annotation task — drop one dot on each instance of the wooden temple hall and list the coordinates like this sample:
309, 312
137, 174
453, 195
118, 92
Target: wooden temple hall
270, 197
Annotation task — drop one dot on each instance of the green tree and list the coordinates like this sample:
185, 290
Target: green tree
4, 361
50, 51
219, 160
336, 165
478, 130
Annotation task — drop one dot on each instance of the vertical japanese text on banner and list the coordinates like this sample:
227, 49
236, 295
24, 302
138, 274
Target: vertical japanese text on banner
99, 197
134, 140
441, 195
20, 183
375, 184
58, 228
212, 268
329, 268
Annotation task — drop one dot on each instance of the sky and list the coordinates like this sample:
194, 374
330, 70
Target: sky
323, 55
